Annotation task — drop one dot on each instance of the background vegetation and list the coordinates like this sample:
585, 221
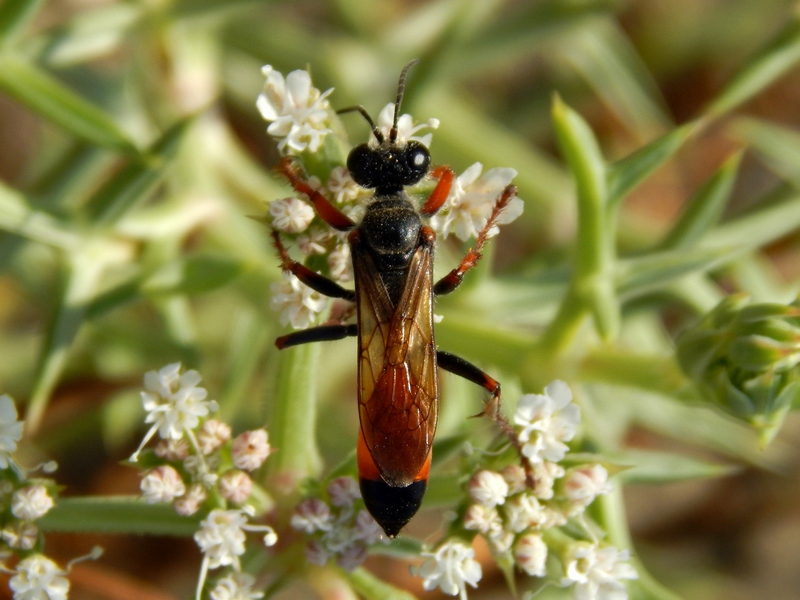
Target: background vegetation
132, 155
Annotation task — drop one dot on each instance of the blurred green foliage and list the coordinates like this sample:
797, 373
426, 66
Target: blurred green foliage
132, 155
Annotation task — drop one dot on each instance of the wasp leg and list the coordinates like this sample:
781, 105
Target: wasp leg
314, 280
463, 368
454, 278
327, 211
323, 333
440, 192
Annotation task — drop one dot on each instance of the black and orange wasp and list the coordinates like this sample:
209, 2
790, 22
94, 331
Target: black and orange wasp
392, 254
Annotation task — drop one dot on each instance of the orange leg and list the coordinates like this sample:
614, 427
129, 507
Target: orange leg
439, 194
327, 211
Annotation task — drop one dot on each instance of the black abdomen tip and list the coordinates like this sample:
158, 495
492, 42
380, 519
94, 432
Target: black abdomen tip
392, 507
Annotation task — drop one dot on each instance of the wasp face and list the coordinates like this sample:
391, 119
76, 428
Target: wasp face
390, 167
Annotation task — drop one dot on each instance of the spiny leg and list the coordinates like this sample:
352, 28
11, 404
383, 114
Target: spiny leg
464, 368
327, 211
454, 278
314, 280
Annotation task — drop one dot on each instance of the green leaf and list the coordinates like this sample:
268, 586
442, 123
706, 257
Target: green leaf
593, 276
704, 208
373, 588
116, 514
136, 180
643, 274
780, 146
15, 16
90, 35
195, 274
45, 95
625, 174
19, 218
292, 424
763, 69
662, 467
604, 57
757, 228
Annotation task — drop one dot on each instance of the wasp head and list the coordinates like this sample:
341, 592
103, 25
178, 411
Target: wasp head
389, 167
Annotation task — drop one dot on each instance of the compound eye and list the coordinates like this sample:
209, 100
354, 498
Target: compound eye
363, 163
418, 160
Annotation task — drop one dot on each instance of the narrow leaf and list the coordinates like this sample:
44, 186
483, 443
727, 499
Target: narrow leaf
136, 180
762, 70
661, 467
116, 515
625, 174
374, 588
780, 146
193, 275
16, 216
47, 96
704, 208
644, 274
15, 16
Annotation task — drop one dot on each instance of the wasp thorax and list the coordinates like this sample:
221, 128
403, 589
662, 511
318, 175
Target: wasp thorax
391, 227
389, 167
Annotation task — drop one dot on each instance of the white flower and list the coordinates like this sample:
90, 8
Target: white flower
250, 449
544, 475
174, 403
235, 486
596, 572
312, 515
352, 556
485, 520
366, 528
172, 449
316, 553
314, 241
548, 420
471, 200
343, 491
236, 586
297, 111
221, 537
39, 578
162, 484
291, 215
583, 484
488, 488
31, 502
10, 429
405, 127
340, 264
190, 502
530, 554
450, 567
20, 534
297, 303
212, 435
515, 478
343, 186
522, 512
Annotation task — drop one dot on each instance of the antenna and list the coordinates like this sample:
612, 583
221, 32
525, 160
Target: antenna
401, 87
375, 131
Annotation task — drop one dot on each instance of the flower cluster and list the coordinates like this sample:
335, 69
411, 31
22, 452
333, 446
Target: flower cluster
196, 459
300, 117
26, 499
516, 507
340, 528
196, 453
221, 539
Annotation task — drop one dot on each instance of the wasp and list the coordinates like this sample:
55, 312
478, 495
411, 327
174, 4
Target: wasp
392, 255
